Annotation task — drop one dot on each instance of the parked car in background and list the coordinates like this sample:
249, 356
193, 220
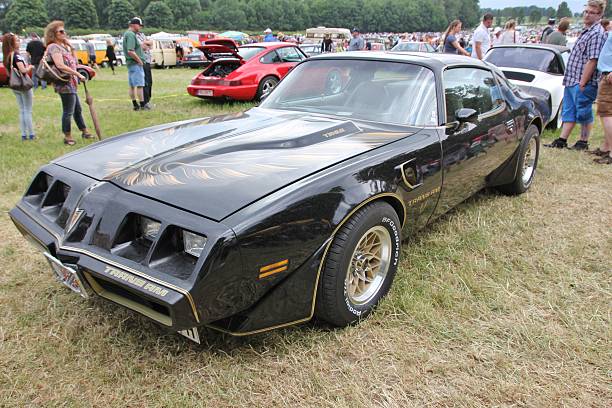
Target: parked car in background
534, 68
311, 49
413, 46
295, 209
201, 36
163, 53
83, 55
376, 43
4, 78
243, 73
195, 59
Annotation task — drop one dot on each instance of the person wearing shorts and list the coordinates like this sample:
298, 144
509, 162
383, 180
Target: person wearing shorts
135, 60
581, 77
604, 103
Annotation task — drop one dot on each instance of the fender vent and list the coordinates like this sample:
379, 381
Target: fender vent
38, 188
54, 201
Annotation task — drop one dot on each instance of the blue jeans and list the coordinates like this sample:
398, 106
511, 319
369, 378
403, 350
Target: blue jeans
71, 108
43, 84
24, 100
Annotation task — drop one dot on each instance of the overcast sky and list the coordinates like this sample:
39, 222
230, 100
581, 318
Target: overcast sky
574, 5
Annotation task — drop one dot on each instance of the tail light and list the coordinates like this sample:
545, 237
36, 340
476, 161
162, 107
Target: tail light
214, 81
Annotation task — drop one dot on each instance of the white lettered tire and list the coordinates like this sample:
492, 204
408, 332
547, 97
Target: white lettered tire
360, 265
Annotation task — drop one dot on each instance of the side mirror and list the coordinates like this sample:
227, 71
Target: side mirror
466, 115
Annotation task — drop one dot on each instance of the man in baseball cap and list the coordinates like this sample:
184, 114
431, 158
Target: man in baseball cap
357, 43
135, 58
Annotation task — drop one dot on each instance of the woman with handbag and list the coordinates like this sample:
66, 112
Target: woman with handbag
19, 82
63, 59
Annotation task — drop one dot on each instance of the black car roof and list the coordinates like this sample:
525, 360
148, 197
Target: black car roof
555, 48
437, 61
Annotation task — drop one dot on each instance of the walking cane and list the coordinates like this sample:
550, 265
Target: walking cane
92, 110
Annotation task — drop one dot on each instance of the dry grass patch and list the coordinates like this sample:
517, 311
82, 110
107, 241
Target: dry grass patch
505, 301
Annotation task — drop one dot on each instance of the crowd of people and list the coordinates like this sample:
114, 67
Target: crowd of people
587, 77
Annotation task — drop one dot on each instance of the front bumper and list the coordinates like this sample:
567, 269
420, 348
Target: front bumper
164, 302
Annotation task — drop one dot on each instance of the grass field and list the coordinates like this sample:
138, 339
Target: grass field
502, 302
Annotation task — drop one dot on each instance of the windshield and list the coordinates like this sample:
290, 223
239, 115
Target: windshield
525, 58
249, 52
406, 47
381, 91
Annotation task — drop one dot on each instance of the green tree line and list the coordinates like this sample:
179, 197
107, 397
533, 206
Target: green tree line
248, 15
534, 14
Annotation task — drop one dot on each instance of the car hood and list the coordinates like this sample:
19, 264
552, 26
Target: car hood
216, 166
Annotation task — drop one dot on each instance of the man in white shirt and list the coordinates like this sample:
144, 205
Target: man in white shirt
482, 39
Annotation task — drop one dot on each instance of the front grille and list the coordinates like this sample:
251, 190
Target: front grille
125, 297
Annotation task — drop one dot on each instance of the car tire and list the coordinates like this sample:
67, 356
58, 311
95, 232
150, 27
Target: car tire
529, 152
84, 73
265, 86
344, 295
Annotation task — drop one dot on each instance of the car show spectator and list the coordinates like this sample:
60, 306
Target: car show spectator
146, 49
357, 43
558, 37
327, 45
268, 36
581, 78
481, 38
36, 50
135, 59
496, 36
110, 55
604, 102
509, 34
548, 30
91, 54
62, 54
451, 43
12, 60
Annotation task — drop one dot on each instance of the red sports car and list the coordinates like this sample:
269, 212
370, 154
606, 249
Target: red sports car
243, 73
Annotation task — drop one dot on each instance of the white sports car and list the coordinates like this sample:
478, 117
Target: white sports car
534, 67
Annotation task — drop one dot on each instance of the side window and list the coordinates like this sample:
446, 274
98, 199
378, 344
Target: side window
554, 67
289, 54
470, 88
270, 58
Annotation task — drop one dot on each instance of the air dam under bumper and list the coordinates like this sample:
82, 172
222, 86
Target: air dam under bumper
165, 303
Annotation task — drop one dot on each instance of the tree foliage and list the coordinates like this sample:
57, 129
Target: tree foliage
535, 16
119, 13
26, 13
256, 15
158, 14
185, 12
563, 10
79, 13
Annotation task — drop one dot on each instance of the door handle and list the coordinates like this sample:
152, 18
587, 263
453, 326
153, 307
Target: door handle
411, 176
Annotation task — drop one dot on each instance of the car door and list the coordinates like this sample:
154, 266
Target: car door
473, 150
288, 58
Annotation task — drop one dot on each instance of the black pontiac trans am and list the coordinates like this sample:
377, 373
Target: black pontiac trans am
291, 210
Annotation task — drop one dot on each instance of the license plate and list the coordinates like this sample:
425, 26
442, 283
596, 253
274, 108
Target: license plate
205, 92
66, 275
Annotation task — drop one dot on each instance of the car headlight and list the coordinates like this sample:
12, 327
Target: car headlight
194, 243
149, 228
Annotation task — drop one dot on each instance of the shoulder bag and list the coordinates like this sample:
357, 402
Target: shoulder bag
47, 71
17, 80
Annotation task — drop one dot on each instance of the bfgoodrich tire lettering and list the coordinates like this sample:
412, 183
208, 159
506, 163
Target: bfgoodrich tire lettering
360, 265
